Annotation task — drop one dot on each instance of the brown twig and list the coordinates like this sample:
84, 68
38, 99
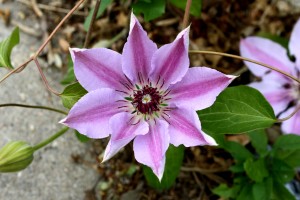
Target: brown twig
202, 171
56, 28
246, 59
52, 8
290, 116
22, 66
18, 69
36, 9
88, 35
186, 14
45, 79
26, 29
258, 63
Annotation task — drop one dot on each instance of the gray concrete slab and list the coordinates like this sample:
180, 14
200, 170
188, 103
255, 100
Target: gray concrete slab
53, 174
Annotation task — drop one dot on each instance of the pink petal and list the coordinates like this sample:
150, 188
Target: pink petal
185, 128
98, 68
265, 51
294, 46
91, 114
137, 52
72, 50
199, 88
292, 125
122, 132
150, 149
170, 62
273, 88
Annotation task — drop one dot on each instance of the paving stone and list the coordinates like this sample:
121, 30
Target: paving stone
53, 174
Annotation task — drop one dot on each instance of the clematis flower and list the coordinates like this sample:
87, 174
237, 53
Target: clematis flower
279, 90
147, 95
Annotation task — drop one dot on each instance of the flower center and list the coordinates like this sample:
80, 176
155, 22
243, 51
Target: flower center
147, 100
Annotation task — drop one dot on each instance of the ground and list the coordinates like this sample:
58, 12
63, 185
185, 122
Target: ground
68, 169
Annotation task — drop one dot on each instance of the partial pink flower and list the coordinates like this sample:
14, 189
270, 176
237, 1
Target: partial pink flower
282, 92
147, 95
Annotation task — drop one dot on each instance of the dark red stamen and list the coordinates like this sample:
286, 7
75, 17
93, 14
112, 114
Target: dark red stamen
150, 106
121, 91
129, 81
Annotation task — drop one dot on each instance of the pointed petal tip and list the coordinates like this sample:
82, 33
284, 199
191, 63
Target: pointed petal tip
63, 121
159, 172
184, 33
104, 160
159, 176
134, 21
210, 141
107, 155
74, 51
231, 77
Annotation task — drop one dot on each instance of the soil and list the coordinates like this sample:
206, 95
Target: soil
220, 28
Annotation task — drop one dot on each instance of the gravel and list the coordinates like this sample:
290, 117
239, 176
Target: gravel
53, 174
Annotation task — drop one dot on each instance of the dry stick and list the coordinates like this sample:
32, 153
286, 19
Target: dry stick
32, 106
246, 59
258, 63
186, 14
290, 116
22, 66
52, 8
26, 29
88, 35
57, 27
45, 79
18, 69
36, 9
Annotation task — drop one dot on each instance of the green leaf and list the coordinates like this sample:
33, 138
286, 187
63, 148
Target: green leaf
237, 109
246, 193
195, 7
102, 7
256, 169
174, 157
70, 76
238, 151
262, 190
81, 138
151, 9
290, 157
237, 168
6, 47
71, 94
281, 171
280, 192
259, 141
287, 148
226, 192
287, 142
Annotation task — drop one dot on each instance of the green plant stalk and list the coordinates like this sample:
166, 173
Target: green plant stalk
50, 139
34, 107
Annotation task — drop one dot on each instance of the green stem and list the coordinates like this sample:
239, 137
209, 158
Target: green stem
50, 139
34, 107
